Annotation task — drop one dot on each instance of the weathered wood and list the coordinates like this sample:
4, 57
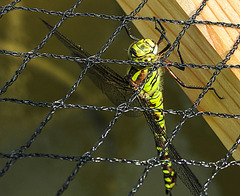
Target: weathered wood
202, 44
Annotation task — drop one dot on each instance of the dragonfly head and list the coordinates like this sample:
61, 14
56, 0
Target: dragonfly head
144, 50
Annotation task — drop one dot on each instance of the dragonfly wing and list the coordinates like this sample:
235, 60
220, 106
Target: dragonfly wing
185, 174
112, 84
183, 171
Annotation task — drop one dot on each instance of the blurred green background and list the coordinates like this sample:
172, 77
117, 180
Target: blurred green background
72, 131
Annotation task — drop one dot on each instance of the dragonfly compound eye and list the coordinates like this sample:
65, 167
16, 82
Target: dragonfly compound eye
144, 50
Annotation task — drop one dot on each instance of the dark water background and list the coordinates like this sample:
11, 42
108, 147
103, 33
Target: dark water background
72, 131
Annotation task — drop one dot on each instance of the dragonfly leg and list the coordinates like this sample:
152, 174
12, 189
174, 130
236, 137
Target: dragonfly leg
130, 35
163, 32
179, 81
180, 57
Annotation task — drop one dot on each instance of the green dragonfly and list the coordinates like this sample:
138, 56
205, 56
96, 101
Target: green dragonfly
119, 89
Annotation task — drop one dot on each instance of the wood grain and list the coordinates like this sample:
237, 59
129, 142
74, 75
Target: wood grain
202, 44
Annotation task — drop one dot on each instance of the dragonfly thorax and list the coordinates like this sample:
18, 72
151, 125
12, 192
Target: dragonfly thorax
144, 50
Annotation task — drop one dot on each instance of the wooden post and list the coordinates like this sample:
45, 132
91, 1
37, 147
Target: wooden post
202, 44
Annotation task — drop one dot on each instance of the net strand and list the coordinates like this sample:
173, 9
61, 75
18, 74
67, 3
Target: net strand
10, 162
88, 157
118, 114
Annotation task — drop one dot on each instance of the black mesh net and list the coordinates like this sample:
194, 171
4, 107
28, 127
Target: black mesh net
59, 132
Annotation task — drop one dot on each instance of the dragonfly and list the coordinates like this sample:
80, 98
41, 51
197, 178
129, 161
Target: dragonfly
118, 89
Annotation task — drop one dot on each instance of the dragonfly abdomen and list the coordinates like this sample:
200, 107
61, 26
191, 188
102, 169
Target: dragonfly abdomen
152, 93
169, 175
